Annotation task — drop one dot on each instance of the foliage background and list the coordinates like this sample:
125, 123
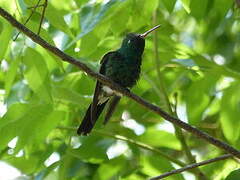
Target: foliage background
193, 59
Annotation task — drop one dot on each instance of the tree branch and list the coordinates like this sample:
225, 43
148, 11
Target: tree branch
116, 87
191, 166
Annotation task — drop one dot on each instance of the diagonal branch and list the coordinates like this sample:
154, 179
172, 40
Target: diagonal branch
116, 87
191, 166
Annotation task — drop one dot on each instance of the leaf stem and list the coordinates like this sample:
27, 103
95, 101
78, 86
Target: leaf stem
34, 9
42, 16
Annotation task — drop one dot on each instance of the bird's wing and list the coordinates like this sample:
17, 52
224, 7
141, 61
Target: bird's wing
98, 86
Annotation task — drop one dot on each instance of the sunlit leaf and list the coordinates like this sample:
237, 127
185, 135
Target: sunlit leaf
5, 36
37, 74
186, 4
155, 137
230, 109
11, 74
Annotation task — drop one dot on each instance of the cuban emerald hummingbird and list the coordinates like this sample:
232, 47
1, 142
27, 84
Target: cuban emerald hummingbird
123, 67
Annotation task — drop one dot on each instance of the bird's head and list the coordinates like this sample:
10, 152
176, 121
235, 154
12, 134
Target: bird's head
133, 44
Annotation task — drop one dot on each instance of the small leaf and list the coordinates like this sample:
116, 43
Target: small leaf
37, 74
186, 5
10, 75
198, 10
112, 167
229, 114
30, 123
234, 175
155, 137
57, 20
169, 4
66, 94
198, 98
5, 36
91, 16
223, 6
93, 149
154, 165
53, 15
25, 165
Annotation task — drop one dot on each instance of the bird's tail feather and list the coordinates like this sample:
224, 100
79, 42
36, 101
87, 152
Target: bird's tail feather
111, 107
87, 124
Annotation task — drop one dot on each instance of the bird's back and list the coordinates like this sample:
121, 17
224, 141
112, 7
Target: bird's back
122, 69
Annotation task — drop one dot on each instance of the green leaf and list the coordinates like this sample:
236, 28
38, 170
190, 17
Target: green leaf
234, 175
8, 5
124, 10
223, 6
87, 42
53, 15
207, 64
30, 123
154, 165
11, 74
186, 5
155, 137
33, 24
47, 171
229, 114
112, 167
91, 16
198, 10
6, 31
93, 149
66, 94
15, 123
37, 74
198, 98
169, 4
52, 61
25, 165
55, 18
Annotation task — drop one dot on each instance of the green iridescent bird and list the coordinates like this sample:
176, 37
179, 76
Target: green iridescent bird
123, 66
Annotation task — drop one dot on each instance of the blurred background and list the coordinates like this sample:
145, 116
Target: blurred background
191, 69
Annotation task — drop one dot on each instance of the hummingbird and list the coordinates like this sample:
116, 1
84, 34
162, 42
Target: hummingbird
123, 66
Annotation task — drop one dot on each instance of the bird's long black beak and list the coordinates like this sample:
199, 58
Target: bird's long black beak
149, 31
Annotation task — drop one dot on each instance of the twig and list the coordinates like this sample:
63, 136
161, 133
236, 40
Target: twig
157, 151
142, 145
42, 16
105, 80
191, 166
139, 144
182, 139
34, 9
17, 7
